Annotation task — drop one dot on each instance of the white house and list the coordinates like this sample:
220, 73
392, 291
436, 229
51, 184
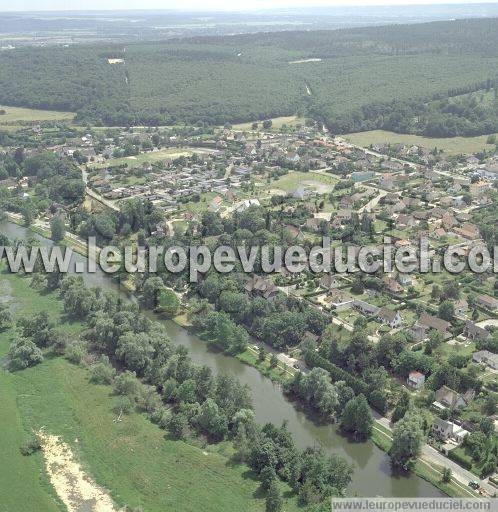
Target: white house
415, 380
390, 317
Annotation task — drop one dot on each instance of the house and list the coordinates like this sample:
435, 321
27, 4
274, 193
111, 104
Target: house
486, 357
314, 224
405, 279
478, 188
439, 233
487, 302
328, 282
415, 380
344, 215
447, 430
340, 300
215, 204
429, 322
474, 332
386, 182
461, 307
447, 397
365, 307
259, 286
390, 317
392, 285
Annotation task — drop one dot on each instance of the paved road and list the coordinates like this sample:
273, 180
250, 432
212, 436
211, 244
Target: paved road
459, 474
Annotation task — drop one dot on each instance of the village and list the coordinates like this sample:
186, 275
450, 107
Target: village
316, 184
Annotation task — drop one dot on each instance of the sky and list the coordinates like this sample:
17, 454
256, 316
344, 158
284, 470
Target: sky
204, 5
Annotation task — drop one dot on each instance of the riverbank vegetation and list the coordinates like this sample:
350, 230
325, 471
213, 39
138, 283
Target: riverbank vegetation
156, 380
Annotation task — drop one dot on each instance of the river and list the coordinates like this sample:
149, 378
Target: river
372, 471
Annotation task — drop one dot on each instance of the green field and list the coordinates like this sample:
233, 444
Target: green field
450, 146
277, 123
314, 182
132, 458
149, 157
28, 115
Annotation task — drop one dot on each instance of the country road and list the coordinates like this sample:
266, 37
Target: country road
431, 456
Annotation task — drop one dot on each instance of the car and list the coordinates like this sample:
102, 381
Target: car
474, 485
296, 366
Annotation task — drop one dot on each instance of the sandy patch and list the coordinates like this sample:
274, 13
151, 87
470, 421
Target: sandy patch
115, 61
78, 491
277, 192
303, 61
320, 188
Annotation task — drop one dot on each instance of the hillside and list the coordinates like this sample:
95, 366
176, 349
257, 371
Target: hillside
347, 78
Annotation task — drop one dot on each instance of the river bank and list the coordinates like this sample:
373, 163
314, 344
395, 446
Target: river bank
373, 475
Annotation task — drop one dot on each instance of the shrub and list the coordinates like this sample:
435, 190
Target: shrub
76, 351
102, 372
23, 353
30, 446
460, 457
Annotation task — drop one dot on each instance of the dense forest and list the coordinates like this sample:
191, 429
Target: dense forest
412, 78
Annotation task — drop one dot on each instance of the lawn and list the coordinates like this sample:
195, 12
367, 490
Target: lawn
149, 157
28, 115
132, 458
320, 183
450, 146
277, 123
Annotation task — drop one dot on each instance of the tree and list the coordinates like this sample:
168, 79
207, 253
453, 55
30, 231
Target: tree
57, 228
261, 354
267, 477
487, 426
151, 290
489, 407
407, 441
378, 400
274, 500
267, 124
5, 316
446, 310
211, 421
273, 361
357, 417
241, 444
446, 477
23, 353
178, 426
102, 372
168, 302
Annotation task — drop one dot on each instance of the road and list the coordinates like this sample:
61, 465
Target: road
102, 200
431, 456
373, 202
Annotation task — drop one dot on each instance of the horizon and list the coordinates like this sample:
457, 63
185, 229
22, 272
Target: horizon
222, 6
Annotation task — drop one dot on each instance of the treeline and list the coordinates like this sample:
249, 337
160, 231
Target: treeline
147, 372
461, 113
249, 77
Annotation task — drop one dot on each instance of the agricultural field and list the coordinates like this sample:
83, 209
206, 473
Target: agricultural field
131, 458
449, 145
277, 123
29, 115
